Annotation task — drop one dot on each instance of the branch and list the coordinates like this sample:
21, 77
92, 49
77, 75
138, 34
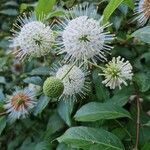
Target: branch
137, 122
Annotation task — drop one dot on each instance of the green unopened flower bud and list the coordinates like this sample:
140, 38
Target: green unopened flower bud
53, 87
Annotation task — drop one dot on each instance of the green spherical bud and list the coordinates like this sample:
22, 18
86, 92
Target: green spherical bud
53, 87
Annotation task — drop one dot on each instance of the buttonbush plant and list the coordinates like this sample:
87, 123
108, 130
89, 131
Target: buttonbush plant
75, 75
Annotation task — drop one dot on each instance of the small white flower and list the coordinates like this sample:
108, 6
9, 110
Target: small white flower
31, 38
20, 104
142, 11
82, 36
117, 72
75, 81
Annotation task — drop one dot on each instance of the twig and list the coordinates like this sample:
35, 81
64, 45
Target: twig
137, 122
95, 65
68, 70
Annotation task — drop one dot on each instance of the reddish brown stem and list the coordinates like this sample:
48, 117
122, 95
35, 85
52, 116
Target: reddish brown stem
137, 123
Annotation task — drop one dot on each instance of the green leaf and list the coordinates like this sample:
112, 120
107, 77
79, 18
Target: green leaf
121, 97
147, 124
63, 146
34, 80
144, 130
111, 7
16, 142
142, 79
94, 111
11, 3
44, 7
86, 137
41, 71
2, 96
9, 12
65, 109
2, 80
41, 104
55, 124
2, 124
143, 34
44, 145
56, 13
129, 3
146, 146
119, 132
102, 92
3, 61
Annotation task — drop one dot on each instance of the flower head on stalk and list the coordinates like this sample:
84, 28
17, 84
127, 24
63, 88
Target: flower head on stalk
142, 11
82, 37
116, 72
75, 81
20, 104
31, 37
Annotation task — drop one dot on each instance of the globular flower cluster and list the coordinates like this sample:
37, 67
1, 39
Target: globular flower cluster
34, 38
116, 72
142, 11
20, 104
82, 39
75, 81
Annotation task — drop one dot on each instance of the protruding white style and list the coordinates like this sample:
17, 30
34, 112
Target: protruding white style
82, 37
142, 11
75, 81
116, 72
20, 104
31, 38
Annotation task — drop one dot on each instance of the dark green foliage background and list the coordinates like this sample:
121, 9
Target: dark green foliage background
51, 119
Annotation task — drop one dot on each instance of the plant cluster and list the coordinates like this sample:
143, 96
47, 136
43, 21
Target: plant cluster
75, 76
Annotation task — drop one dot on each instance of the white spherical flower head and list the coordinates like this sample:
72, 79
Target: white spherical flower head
34, 39
74, 81
20, 104
84, 38
142, 11
117, 72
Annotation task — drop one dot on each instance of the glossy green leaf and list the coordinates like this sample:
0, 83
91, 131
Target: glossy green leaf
55, 123
86, 137
41, 104
65, 109
9, 12
102, 92
63, 146
147, 124
2, 124
143, 34
56, 13
34, 80
121, 97
94, 111
44, 145
44, 7
129, 3
111, 7
2, 80
142, 80
41, 71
